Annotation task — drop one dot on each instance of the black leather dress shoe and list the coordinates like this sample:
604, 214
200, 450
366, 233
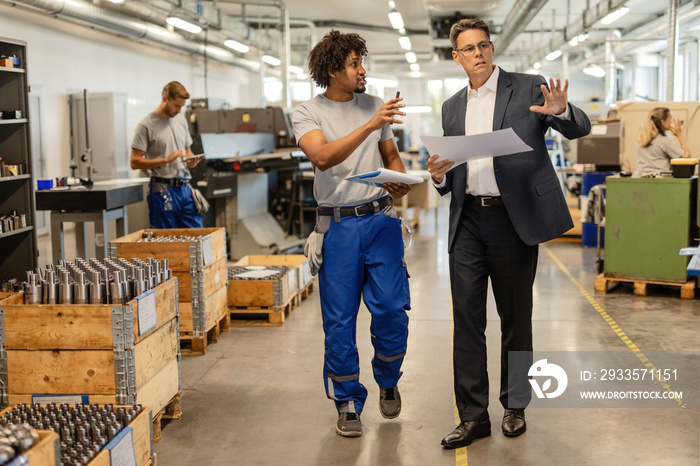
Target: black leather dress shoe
466, 433
514, 422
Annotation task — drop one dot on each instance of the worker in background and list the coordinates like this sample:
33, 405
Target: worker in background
161, 145
501, 209
654, 148
357, 246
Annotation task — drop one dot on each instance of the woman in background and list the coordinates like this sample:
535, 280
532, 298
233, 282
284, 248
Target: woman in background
654, 149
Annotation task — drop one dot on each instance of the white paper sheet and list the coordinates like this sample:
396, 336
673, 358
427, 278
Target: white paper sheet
257, 274
461, 149
384, 175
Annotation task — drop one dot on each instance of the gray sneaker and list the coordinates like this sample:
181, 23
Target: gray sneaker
390, 402
349, 425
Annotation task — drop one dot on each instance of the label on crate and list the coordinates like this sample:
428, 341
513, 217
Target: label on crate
146, 308
207, 250
70, 399
121, 449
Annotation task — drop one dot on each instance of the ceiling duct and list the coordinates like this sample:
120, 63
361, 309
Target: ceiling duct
109, 20
517, 20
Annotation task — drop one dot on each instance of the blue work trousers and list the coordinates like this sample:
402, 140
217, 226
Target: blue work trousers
363, 258
183, 213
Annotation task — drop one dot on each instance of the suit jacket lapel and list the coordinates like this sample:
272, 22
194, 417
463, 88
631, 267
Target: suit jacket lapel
503, 94
461, 112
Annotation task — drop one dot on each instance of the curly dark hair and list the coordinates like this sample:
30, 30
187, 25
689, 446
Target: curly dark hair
328, 56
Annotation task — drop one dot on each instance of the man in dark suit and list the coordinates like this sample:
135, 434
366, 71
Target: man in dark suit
501, 209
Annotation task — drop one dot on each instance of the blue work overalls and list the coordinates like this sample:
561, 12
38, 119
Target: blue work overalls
363, 257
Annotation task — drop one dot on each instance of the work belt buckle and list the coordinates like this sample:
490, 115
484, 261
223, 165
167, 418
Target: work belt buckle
358, 214
484, 201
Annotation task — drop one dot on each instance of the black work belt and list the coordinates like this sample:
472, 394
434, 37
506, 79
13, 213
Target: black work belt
486, 201
357, 211
171, 181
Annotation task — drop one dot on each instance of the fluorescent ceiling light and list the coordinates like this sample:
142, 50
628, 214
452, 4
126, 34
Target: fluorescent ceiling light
184, 25
381, 82
537, 65
595, 71
396, 20
405, 42
582, 37
416, 74
295, 69
237, 46
615, 15
418, 109
574, 41
270, 60
554, 55
415, 67
221, 53
392, 4
117, 1
532, 71
411, 57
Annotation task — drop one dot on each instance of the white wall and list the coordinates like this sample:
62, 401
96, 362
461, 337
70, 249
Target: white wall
65, 58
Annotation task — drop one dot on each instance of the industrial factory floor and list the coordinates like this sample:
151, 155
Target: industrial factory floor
257, 397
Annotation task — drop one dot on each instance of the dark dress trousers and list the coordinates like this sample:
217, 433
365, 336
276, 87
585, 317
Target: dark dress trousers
501, 242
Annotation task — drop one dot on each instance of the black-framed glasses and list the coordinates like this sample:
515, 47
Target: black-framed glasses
483, 46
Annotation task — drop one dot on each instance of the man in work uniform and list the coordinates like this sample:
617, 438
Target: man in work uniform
161, 145
345, 132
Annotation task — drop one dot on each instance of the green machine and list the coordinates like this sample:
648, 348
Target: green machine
647, 222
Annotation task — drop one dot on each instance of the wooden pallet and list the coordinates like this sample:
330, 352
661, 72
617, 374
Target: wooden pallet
307, 289
191, 345
171, 411
640, 286
263, 316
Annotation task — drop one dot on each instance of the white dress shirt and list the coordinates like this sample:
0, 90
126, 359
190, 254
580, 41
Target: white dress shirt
481, 103
481, 179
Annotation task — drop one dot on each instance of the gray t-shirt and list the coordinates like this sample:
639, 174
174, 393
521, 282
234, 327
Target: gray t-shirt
337, 120
160, 138
656, 157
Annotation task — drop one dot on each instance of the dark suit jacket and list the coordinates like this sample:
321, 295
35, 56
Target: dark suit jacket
527, 181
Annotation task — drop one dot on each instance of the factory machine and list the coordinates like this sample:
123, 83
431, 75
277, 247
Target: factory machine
244, 148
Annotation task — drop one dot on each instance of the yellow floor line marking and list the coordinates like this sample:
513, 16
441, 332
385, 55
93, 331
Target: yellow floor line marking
460, 453
615, 327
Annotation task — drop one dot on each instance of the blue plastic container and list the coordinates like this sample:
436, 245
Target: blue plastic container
589, 235
44, 184
590, 179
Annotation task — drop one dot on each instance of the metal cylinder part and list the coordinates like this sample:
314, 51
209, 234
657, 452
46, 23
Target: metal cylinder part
81, 289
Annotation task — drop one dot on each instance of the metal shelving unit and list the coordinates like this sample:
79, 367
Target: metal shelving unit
16, 192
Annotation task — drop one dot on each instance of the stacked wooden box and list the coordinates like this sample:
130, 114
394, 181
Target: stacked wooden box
95, 353
47, 451
200, 266
269, 301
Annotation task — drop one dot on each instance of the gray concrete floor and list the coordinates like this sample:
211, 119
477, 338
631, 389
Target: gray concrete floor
257, 397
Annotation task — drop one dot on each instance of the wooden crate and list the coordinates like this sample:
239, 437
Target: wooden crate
217, 321
298, 262
200, 267
15, 297
273, 294
91, 351
47, 451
